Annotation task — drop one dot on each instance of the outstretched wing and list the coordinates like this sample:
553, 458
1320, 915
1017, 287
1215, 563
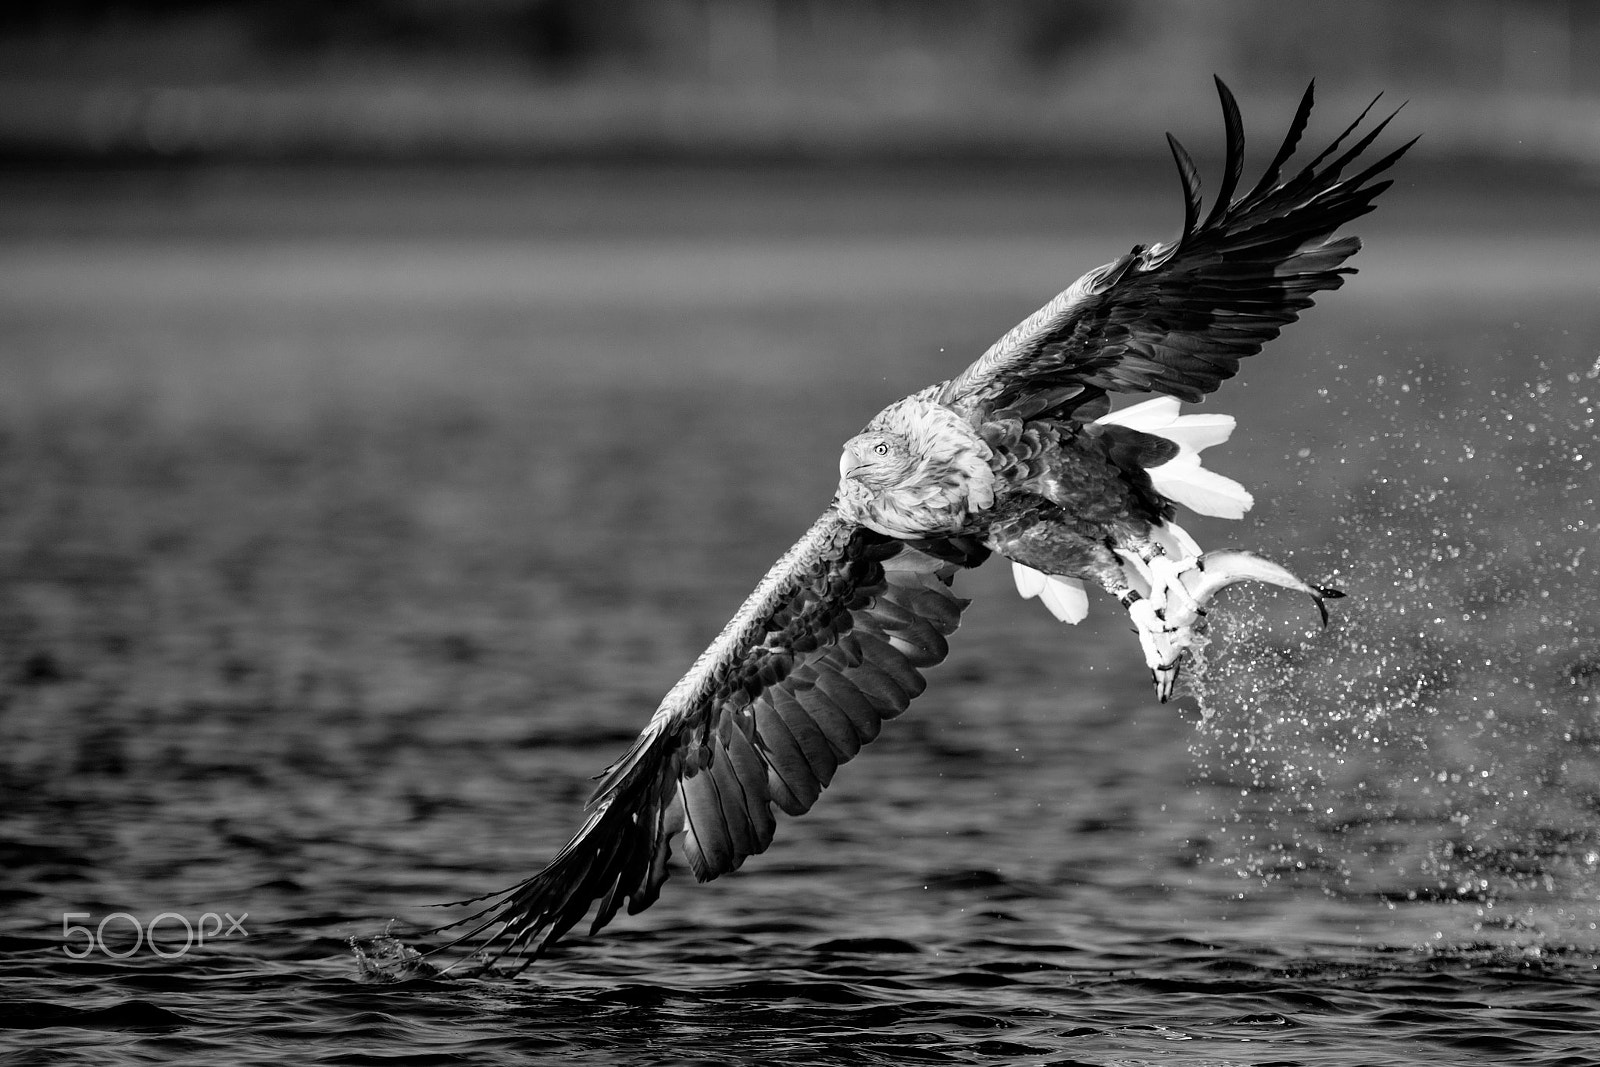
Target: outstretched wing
1178, 318
829, 645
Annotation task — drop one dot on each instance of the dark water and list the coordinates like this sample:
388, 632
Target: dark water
332, 566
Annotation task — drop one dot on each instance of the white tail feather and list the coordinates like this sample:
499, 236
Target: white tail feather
1182, 478
1065, 598
1030, 583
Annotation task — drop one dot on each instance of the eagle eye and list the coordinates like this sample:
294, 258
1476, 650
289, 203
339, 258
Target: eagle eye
880, 449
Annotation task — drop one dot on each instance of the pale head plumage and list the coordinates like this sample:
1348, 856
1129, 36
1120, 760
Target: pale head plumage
917, 470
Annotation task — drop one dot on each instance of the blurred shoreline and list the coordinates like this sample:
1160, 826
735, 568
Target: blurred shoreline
1113, 201
48, 125
1014, 83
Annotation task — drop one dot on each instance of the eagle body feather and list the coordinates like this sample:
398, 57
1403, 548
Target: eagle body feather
1019, 454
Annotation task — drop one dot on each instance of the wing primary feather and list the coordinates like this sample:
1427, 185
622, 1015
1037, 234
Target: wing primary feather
1310, 168
669, 820
1190, 176
1370, 192
1291, 141
1337, 166
619, 876
1233, 166
610, 904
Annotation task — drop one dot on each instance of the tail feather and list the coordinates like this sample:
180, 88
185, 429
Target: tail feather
1182, 478
1202, 491
1065, 598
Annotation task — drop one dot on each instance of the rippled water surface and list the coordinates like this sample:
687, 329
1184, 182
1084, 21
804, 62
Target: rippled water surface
337, 551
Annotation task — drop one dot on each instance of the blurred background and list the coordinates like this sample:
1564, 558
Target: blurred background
538, 80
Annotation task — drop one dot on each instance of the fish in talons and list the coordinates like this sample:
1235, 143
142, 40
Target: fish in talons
1168, 607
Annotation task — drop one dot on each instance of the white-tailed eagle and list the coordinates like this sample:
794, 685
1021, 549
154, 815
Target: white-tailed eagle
1018, 455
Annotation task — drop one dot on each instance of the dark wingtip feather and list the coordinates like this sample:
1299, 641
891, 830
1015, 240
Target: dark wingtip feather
1309, 170
1382, 165
1189, 174
1338, 165
1291, 141
1233, 164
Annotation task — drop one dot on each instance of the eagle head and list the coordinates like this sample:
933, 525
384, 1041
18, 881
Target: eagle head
917, 470
878, 459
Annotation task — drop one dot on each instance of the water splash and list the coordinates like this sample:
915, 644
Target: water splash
1442, 741
384, 958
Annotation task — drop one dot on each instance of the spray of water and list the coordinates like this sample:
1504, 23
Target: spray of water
1442, 740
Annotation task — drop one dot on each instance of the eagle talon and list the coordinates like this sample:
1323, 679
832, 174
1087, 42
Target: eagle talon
1163, 646
1165, 678
1166, 584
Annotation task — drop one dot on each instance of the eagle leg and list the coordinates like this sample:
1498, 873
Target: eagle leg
1180, 589
1163, 644
1163, 571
